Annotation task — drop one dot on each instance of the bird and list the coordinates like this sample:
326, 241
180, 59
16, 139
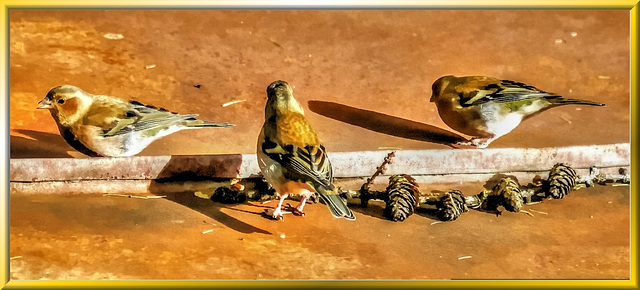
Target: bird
106, 126
487, 108
292, 158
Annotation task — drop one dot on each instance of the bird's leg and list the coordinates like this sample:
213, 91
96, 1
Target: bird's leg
277, 212
298, 210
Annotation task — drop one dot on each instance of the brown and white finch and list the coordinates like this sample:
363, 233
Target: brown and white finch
291, 156
487, 108
98, 125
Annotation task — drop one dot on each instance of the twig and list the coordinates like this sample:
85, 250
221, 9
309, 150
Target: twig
232, 102
389, 148
566, 119
135, 196
526, 212
623, 177
528, 192
430, 198
511, 195
379, 170
364, 194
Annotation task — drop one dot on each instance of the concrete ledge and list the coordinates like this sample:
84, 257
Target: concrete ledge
146, 186
345, 164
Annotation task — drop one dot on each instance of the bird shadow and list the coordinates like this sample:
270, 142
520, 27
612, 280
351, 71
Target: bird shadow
174, 172
210, 209
386, 124
36, 144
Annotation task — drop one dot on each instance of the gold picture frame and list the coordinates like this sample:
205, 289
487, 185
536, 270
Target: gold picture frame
7, 5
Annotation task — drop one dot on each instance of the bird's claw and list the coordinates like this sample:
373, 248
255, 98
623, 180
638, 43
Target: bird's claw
275, 214
463, 144
294, 210
475, 143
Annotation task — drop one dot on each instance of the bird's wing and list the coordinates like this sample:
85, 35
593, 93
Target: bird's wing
73, 141
117, 118
504, 91
309, 163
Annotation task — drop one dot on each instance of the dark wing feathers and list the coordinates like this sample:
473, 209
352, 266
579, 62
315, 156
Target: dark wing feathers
507, 97
148, 108
505, 92
144, 117
309, 164
514, 84
304, 164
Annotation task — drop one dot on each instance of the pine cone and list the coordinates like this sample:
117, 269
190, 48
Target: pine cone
403, 192
226, 195
451, 205
562, 179
508, 191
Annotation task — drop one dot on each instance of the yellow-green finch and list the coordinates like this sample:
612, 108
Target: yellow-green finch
487, 108
98, 125
292, 158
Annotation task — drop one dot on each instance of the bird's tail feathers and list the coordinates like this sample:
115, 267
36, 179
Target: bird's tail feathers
563, 101
335, 204
195, 123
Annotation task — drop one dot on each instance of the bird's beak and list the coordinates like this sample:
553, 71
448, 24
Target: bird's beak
44, 104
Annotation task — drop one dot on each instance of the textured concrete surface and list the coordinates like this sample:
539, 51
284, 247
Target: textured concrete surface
345, 164
380, 61
383, 61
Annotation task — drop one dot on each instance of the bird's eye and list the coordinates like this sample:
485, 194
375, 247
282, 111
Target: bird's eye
61, 101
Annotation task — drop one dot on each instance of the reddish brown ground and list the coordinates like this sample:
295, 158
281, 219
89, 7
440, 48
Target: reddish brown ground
584, 236
383, 61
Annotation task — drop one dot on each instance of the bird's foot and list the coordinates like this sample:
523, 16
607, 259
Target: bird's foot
294, 210
475, 142
464, 144
275, 213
